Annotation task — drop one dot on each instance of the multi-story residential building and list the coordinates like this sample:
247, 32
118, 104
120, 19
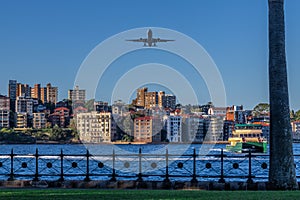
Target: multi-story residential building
24, 105
142, 130
4, 119
4, 103
174, 128
169, 101
60, 117
235, 114
36, 91
214, 128
194, 127
4, 111
21, 120
43, 94
76, 95
23, 90
95, 127
151, 99
101, 106
12, 93
160, 98
147, 129
51, 93
227, 129
39, 120
140, 97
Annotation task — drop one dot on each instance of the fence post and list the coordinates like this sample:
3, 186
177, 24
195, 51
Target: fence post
87, 177
250, 169
222, 180
11, 176
113, 176
140, 178
167, 167
61, 166
194, 179
36, 175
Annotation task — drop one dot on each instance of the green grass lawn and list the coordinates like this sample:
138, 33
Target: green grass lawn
86, 194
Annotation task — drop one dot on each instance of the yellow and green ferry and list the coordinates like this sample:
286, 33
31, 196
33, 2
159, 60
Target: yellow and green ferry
247, 137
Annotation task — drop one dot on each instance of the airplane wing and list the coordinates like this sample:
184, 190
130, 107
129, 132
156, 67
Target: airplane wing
161, 40
138, 40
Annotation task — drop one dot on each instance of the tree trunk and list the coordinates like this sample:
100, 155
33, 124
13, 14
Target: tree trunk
282, 170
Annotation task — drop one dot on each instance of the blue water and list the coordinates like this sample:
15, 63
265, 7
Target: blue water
152, 164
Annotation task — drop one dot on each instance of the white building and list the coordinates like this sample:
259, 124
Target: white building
174, 128
95, 127
217, 111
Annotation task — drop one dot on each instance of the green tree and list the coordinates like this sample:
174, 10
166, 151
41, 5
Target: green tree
297, 115
90, 105
261, 109
282, 173
56, 133
127, 138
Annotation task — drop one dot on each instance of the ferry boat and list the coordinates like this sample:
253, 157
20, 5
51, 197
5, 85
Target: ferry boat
247, 137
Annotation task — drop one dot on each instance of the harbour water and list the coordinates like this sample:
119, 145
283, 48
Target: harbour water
131, 160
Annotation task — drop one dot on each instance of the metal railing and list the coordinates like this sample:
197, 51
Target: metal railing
221, 167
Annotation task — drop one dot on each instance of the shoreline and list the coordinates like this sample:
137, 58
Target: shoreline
113, 143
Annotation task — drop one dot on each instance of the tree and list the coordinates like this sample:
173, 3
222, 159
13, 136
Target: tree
261, 109
90, 105
282, 170
127, 138
297, 115
56, 133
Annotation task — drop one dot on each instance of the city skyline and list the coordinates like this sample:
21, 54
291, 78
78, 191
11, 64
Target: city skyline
46, 41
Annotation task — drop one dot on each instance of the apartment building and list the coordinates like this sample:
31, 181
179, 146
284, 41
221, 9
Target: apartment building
95, 127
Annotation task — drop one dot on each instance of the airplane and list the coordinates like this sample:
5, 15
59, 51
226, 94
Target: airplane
150, 41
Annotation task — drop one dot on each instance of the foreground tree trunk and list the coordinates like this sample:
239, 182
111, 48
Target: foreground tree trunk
282, 170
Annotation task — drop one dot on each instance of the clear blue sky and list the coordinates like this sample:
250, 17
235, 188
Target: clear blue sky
46, 41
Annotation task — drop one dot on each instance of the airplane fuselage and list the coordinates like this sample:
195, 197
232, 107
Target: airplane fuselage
149, 41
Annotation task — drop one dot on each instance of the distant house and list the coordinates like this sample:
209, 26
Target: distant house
60, 117
217, 111
147, 129
79, 109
